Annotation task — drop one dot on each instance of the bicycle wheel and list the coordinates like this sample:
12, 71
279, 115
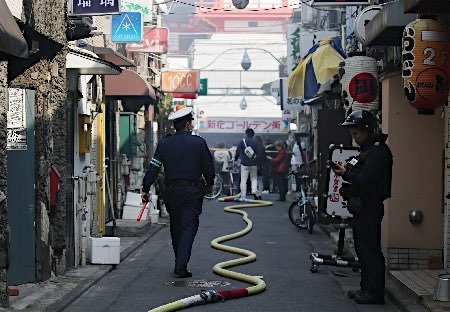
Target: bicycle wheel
296, 215
216, 188
311, 217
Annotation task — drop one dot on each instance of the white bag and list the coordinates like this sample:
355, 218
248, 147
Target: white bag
249, 151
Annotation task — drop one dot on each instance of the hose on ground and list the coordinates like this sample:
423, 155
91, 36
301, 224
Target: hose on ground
222, 268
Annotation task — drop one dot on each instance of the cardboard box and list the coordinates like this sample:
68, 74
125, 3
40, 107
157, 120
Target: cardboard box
104, 250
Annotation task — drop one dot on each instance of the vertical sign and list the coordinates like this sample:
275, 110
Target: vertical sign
16, 120
203, 86
293, 47
127, 27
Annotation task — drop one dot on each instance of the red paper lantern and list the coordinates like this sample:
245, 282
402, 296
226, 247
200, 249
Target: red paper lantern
425, 64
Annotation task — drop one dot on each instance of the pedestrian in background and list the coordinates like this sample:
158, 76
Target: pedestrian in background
260, 161
188, 165
298, 159
268, 180
369, 183
246, 152
281, 167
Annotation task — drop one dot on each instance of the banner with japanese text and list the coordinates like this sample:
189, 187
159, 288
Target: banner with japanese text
239, 125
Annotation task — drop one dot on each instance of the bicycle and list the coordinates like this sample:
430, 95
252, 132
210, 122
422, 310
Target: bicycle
302, 212
219, 185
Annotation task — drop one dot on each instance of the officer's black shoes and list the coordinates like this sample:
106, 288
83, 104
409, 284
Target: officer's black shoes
182, 273
351, 294
369, 298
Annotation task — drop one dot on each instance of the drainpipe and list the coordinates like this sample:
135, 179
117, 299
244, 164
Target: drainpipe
83, 230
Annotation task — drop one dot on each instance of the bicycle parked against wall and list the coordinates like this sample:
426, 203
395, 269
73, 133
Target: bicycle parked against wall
302, 212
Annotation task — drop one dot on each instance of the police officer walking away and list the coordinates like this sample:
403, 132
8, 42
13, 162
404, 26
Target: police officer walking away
369, 176
188, 165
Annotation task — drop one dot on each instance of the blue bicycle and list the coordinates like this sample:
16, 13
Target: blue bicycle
302, 212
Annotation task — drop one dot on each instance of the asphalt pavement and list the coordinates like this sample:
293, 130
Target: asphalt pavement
145, 280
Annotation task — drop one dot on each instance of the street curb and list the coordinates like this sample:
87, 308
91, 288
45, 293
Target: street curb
86, 284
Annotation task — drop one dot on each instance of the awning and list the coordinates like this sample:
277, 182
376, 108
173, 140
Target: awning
87, 63
41, 47
131, 88
112, 56
12, 42
317, 67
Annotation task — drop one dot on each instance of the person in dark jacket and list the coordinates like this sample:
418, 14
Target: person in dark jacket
270, 150
281, 167
248, 165
188, 165
369, 183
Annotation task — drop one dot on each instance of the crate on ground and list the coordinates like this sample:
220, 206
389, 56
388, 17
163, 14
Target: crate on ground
104, 250
132, 212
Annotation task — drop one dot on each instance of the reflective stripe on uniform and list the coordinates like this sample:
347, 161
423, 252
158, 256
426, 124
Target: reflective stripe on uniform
155, 162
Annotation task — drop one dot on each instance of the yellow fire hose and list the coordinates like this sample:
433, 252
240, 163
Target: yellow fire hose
222, 268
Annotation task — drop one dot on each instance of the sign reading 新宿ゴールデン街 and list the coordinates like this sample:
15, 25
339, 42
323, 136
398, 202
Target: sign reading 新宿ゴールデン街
239, 125
180, 81
94, 7
338, 2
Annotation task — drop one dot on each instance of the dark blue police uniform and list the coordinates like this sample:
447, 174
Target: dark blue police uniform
186, 158
370, 185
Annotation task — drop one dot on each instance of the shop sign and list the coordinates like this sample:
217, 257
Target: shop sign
239, 125
180, 81
127, 27
154, 41
338, 2
94, 7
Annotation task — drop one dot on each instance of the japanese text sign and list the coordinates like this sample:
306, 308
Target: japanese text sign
94, 7
239, 125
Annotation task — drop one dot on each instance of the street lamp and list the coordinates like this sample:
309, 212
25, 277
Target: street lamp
246, 63
243, 104
240, 4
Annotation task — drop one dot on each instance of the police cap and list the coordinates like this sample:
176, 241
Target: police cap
183, 113
361, 119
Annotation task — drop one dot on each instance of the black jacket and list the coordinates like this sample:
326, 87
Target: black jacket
184, 157
371, 177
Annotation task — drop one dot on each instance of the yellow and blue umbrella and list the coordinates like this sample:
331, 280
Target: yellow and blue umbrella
317, 67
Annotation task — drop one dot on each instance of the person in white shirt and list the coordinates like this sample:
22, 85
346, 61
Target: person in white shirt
298, 158
222, 155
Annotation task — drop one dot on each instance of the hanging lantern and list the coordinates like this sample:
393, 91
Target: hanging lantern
425, 64
360, 83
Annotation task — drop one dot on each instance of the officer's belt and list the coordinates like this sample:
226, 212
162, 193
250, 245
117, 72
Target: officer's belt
181, 182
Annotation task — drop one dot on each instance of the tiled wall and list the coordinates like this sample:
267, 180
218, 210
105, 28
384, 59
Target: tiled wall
410, 258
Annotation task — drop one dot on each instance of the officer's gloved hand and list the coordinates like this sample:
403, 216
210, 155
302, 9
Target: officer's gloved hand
145, 197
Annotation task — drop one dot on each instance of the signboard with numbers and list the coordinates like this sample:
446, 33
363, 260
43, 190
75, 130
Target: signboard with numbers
180, 81
94, 7
335, 205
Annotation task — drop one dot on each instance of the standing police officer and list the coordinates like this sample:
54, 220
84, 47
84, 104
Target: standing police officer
370, 176
187, 161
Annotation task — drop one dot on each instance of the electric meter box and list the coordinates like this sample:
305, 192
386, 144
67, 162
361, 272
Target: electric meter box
104, 250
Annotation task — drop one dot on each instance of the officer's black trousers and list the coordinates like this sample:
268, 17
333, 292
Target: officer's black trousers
184, 204
367, 237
